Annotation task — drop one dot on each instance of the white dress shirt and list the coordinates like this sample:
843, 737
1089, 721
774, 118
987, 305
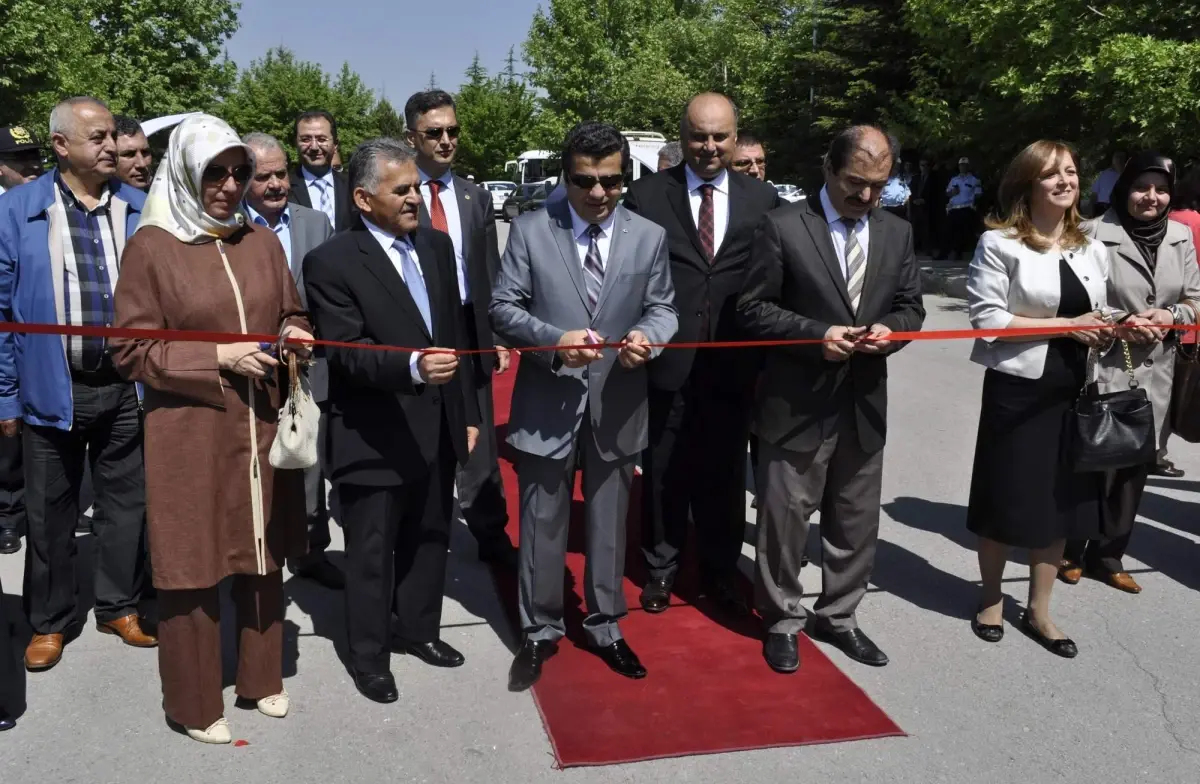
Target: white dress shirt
579, 227
963, 190
720, 196
387, 241
449, 200
314, 192
838, 232
283, 230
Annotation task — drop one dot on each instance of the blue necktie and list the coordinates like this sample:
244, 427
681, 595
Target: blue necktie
414, 281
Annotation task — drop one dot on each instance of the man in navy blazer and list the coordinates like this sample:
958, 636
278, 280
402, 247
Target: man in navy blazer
61, 239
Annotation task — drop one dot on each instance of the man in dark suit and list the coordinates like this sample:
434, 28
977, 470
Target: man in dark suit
399, 422
700, 400
461, 209
314, 182
835, 268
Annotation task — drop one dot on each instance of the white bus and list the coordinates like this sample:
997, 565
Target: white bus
534, 166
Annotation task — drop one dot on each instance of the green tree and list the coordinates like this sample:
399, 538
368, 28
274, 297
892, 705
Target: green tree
496, 115
385, 121
272, 91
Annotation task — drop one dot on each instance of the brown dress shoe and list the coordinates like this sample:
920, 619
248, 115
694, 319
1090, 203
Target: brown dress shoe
129, 630
1122, 581
1069, 572
43, 652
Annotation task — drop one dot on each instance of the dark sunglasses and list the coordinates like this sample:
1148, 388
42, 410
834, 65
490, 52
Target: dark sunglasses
435, 134
587, 182
217, 175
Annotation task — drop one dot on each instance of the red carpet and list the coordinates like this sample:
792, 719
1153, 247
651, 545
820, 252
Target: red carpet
707, 689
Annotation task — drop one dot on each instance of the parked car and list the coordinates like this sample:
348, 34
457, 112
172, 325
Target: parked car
792, 193
526, 198
500, 191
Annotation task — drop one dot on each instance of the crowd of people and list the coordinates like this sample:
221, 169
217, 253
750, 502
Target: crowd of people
398, 249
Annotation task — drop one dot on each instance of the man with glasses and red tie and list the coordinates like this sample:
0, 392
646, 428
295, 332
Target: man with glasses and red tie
458, 207
583, 271
314, 182
700, 400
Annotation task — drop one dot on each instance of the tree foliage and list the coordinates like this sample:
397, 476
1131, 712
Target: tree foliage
496, 115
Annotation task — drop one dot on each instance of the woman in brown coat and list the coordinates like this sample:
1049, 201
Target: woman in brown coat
215, 507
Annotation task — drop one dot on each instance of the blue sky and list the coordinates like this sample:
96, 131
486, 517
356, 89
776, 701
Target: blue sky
392, 44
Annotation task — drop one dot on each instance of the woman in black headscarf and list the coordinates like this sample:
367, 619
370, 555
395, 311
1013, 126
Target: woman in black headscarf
1153, 275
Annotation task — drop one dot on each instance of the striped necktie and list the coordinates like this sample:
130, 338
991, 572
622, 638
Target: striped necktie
856, 264
326, 205
593, 269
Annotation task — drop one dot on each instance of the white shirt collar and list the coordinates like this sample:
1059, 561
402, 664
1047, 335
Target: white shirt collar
446, 179
579, 226
694, 181
285, 217
832, 216
310, 178
384, 237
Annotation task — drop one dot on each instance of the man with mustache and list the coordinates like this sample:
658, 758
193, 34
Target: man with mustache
841, 270
750, 156
61, 238
700, 401
135, 162
299, 229
314, 182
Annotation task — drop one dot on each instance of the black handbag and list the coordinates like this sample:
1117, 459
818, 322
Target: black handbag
1113, 430
1185, 392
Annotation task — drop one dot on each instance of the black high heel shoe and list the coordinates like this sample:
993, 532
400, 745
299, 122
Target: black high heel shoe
1065, 647
986, 631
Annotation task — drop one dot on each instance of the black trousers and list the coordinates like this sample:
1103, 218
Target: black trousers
107, 431
480, 487
316, 501
1122, 495
962, 226
696, 464
12, 485
10, 674
397, 540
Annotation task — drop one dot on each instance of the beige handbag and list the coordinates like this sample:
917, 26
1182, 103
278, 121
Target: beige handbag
295, 444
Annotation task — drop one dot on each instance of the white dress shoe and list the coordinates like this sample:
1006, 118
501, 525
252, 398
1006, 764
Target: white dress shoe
275, 706
217, 733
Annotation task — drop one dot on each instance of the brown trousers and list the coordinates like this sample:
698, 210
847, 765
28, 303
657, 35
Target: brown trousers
189, 647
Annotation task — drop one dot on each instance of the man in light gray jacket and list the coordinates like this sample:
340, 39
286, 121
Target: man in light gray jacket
582, 271
300, 229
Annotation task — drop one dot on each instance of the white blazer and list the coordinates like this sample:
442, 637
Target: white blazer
1007, 278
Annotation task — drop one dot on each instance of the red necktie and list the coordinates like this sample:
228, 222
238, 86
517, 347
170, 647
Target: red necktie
706, 222
437, 215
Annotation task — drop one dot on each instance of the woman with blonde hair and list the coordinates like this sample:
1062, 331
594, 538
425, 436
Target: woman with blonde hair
1033, 268
215, 508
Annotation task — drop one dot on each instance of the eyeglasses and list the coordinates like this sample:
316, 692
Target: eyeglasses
435, 134
586, 182
217, 175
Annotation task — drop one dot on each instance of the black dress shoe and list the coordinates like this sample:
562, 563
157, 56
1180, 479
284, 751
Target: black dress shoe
724, 593
1065, 647
854, 643
436, 653
1167, 468
526, 668
986, 631
10, 541
379, 687
6, 722
324, 573
656, 595
500, 553
782, 652
621, 659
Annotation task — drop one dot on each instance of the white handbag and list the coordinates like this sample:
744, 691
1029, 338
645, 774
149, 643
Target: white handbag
295, 444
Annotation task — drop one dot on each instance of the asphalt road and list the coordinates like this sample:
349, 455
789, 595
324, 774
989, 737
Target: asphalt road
1126, 710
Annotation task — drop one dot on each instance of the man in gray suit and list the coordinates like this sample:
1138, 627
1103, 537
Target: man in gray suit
582, 271
300, 229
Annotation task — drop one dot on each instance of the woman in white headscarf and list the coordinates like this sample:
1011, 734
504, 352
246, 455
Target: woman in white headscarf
215, 507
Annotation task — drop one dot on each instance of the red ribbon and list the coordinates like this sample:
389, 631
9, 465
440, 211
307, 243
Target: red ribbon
197, 336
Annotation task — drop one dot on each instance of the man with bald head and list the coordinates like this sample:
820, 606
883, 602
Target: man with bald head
840, 270
61, 238
700, 400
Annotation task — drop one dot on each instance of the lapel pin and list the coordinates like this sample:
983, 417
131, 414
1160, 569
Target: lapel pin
466, 197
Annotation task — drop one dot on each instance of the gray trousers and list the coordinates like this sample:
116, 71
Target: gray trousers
546, 488
844, 483
316, 503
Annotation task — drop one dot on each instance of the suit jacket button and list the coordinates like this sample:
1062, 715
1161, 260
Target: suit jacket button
1150, 300
436, 399
1149, 363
